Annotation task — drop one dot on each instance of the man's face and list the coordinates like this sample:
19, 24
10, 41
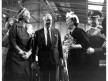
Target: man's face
11, 21
48, 21
94, 21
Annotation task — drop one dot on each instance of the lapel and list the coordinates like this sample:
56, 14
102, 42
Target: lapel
53, 37
42, 36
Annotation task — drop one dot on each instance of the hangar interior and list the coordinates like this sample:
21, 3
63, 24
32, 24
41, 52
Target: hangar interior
58, 10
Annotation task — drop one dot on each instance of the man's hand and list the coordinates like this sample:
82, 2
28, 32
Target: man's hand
90, 50
75, 46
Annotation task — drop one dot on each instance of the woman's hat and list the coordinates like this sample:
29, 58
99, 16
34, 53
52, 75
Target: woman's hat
72, 15
22, 13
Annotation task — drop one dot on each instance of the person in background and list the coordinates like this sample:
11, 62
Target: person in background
9, 21
97, 48
104, 32
5, 40
104, 26
97, 38
5, 32
17, 67
48, 42
78, 44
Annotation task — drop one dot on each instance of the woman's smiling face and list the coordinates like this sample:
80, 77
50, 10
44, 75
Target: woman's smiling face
27, 16
69, 23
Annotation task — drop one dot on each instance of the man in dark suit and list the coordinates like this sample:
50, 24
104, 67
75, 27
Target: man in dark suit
48, 42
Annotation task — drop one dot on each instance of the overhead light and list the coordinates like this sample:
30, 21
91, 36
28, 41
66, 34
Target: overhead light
95, 7
97, 1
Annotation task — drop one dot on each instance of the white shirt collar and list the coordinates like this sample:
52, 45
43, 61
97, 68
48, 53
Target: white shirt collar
45, 33
46, 28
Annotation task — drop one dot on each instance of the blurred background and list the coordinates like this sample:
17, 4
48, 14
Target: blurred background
57, 8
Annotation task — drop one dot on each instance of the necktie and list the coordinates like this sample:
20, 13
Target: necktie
48, 39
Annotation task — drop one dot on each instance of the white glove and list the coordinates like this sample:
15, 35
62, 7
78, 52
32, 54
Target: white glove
90, 50
21, 52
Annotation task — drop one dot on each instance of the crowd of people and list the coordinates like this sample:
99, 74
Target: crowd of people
56, 60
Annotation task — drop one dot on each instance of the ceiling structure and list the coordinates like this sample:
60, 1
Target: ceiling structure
57, 8
80, 7
61, 7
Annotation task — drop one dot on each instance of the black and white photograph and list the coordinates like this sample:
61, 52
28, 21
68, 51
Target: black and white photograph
53, 40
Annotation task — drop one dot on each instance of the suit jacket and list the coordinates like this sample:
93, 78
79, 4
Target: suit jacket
44, 54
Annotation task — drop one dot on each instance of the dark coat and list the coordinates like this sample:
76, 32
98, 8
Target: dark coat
77, 56
17, 68
47, 57
96, 42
